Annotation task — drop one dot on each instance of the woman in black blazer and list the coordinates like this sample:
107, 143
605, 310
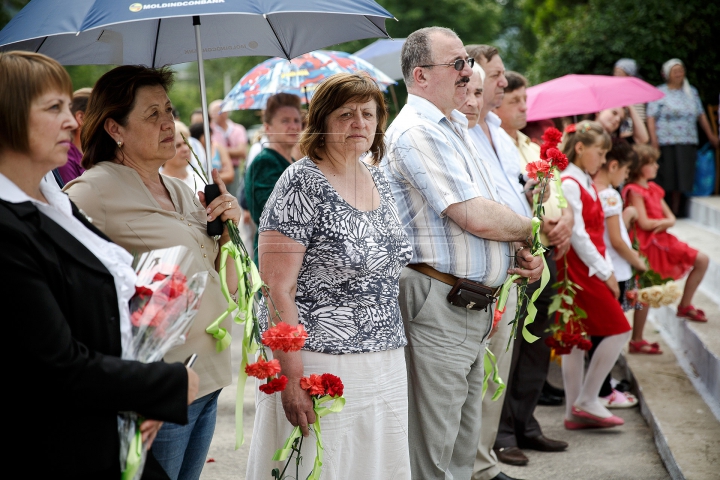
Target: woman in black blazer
59, 303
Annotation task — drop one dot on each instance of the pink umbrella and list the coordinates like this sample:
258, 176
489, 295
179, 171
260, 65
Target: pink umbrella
579, 94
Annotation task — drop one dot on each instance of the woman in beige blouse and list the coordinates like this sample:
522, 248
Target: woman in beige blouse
127, 136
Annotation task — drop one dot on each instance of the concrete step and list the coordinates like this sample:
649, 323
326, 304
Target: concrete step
685, 430
707, 241
706, 211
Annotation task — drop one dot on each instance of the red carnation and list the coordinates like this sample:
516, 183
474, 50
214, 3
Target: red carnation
552, 136
333, 385
534, 168
497, 316
285, 337
557, 158
262, 369
570, 128
274, 385
543, 150
585, 344
313, 384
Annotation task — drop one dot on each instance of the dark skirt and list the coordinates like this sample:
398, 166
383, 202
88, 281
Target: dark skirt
677, 167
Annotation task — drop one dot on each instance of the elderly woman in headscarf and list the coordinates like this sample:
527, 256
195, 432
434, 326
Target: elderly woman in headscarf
672, 124
627, 67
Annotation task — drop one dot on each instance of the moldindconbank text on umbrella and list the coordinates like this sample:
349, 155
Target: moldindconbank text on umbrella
136, 7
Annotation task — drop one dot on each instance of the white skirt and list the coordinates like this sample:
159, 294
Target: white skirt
368, 439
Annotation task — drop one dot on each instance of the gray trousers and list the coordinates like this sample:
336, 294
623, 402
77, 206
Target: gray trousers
485, 467
444, 359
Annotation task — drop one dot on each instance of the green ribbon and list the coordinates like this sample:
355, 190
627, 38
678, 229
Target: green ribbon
134, 456
491, 369
219, 333
249, 283
538, 250
562, 202
320, 411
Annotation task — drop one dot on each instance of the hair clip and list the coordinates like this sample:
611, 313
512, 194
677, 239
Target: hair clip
570, 128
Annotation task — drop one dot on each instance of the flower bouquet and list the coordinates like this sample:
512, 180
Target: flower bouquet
654, 290
552, 162
161, 313
323, 389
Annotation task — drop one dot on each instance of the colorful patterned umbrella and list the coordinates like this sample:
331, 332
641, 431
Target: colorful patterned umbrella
299, 76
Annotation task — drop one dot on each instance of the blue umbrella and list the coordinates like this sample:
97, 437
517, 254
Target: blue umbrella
120, 32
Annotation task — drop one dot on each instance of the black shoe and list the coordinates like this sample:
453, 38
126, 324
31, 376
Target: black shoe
554, 391
511, 456
542, 444
502, 476
549, 400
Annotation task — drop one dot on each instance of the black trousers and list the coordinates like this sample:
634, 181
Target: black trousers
528, 371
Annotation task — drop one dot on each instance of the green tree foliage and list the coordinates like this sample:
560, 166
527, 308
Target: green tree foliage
595, 35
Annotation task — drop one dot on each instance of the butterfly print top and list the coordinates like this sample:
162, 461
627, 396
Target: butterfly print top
347, 287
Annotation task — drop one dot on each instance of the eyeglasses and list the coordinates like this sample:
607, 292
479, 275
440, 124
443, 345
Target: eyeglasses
458, 64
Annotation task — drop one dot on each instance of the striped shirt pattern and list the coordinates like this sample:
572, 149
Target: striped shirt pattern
431, 164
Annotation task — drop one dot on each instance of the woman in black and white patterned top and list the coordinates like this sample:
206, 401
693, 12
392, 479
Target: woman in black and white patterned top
331, 251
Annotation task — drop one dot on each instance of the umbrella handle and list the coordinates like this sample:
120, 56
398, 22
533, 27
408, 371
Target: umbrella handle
212, 191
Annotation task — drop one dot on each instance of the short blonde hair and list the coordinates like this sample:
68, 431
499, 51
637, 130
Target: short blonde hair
332, 94
182, 128
25, 76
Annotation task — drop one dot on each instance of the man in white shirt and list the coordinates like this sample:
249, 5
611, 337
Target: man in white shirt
461, 235
496, 148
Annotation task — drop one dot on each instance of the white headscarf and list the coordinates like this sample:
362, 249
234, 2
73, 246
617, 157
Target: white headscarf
667, 66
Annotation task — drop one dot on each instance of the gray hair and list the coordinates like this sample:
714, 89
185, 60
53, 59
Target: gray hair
417, 50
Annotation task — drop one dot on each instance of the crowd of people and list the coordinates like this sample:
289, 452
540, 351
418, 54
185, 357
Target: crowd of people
388, 246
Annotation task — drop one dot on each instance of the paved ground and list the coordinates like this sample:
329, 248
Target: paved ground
626, 453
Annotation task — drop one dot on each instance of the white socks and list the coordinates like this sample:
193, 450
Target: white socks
584, 395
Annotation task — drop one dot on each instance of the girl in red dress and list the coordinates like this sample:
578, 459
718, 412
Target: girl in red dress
665, 253
585, 147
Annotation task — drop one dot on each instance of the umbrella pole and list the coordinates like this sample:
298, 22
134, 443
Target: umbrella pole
203, 99
394, 98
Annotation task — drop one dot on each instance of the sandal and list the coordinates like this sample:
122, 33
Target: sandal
643, 346
618, 399
691, 313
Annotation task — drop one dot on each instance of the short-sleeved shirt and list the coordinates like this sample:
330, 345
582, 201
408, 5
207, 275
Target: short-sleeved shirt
260, 179
234, 136
612, 206
431, 163
73, 168
348, 284
505, 158
676, 116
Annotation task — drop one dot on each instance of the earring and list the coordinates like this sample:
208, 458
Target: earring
322, 141
120, 144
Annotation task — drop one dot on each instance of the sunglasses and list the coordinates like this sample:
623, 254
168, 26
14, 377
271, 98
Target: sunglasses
458, 64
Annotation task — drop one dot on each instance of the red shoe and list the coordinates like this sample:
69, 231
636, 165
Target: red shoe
643, 346
599, 422
691, 313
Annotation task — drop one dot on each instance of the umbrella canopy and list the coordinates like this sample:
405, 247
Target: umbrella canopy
580, 94
385, 55
299, 76
120, 32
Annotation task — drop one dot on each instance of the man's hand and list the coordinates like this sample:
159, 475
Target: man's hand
532, 187
529, 266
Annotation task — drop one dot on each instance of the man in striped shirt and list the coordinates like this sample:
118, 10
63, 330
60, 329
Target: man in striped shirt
459, 228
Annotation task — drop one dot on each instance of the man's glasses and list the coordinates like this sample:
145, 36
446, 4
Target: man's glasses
458, 64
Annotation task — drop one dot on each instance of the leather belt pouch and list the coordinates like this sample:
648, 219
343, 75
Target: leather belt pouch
471, 295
